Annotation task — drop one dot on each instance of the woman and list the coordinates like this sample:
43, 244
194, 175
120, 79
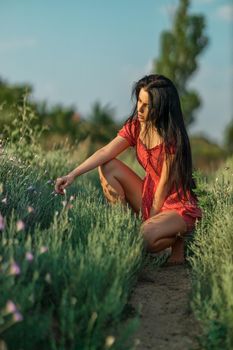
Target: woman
165, 196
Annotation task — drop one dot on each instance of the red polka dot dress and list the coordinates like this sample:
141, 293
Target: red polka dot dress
188, 209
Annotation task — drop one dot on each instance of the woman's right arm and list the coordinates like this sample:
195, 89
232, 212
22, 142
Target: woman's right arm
101, 156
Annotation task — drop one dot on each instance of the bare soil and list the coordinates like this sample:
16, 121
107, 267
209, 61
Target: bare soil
167, 321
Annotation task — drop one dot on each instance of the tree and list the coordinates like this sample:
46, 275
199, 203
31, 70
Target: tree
12, 94
102, 124
11, 97
179, 51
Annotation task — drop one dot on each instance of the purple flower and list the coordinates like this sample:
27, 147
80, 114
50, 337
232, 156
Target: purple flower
14, 269
10, 307
17, 316
29, 256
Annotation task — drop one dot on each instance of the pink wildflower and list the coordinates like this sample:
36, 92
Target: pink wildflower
29, 256
30, 209
14, 269
20, 225
10, 307
17, 316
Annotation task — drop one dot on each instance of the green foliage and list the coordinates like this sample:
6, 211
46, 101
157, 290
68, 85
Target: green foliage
103, 127
86, 254
179, 50
23, 133
11, 99
206, 155
212, 260
99, 126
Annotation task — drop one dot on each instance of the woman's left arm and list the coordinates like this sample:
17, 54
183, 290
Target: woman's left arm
162, 188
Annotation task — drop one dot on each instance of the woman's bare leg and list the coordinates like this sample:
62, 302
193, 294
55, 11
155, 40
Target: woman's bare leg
162, 231
120, 183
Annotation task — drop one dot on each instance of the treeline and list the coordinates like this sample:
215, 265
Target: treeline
99, 126
61, 123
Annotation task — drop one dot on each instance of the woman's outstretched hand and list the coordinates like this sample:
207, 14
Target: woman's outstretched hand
63, 182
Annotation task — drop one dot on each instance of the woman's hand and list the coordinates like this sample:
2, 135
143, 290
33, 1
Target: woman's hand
63, 182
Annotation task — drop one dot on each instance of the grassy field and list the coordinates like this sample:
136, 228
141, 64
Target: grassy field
68, 263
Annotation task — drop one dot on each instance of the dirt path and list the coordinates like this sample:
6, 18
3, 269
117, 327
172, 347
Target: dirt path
167, 322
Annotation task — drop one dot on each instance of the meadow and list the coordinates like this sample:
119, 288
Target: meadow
68, 263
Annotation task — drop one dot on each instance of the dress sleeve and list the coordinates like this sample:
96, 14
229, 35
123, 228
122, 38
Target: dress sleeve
128, 131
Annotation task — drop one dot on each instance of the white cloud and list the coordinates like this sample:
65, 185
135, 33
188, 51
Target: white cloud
14, 44
225, 12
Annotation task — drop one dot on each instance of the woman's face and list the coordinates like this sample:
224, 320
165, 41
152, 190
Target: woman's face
143, 105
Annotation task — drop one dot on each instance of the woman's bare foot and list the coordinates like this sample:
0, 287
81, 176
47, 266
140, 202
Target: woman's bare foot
177, 255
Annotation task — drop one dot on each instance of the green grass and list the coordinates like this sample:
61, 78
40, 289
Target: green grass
74, 294
212, 261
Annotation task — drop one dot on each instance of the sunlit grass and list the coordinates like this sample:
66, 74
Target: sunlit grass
212, 262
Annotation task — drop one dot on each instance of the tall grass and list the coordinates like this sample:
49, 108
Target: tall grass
212, 261
67, 264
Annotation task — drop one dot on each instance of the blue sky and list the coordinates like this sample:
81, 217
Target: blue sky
78, 52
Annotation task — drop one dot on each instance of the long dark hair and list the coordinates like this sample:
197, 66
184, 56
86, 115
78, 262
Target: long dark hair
165, 114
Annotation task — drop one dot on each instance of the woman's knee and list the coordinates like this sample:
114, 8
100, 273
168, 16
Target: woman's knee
111, 191
149, 231
104, 170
